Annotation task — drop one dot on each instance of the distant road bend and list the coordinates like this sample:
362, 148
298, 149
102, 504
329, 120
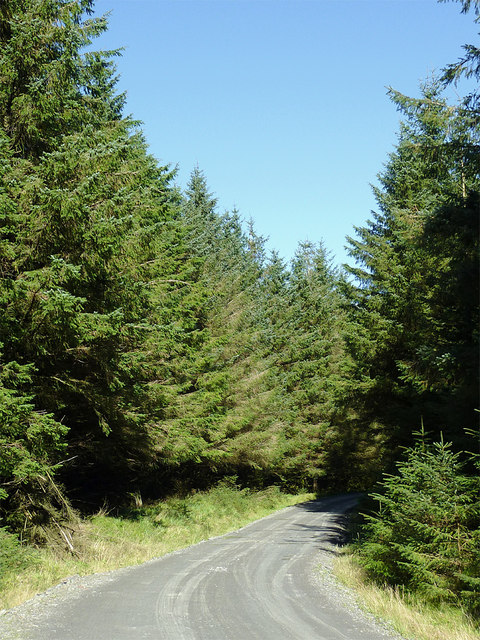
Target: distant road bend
256, 583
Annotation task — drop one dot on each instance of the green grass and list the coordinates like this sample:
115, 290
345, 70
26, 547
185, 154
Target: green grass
104, 542
408, 614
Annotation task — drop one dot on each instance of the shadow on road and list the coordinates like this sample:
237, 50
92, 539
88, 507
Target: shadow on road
329, 504
335, 532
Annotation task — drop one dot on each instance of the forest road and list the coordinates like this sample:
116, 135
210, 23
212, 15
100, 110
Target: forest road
261, 582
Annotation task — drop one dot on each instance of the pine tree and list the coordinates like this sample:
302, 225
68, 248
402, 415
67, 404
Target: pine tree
426, 532
49, 86
468, 66
87, 219
416, 297
304, 334
216, 334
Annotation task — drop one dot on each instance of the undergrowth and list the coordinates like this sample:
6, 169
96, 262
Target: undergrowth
408, 613
415, 554
109, 541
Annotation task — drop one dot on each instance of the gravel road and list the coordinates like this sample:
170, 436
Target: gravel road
270, 580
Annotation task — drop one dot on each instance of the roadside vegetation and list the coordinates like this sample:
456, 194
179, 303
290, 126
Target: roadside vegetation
414, 557
410, 615
424, 534
108, 541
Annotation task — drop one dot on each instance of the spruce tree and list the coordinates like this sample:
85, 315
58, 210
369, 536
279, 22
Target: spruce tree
416, 293
468, 66
425, 534
87, 220
304, 332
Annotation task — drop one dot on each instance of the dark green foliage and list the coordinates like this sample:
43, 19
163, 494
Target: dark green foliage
49, 87
209, 428
416, 299
86, 213
305, 331
468, 65
78, 301
149, 346
30, 444
425, 535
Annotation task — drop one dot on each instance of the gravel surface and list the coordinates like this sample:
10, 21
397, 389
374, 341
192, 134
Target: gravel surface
291, 595
21, 621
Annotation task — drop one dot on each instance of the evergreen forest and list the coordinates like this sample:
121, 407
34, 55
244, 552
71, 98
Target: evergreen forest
151, 345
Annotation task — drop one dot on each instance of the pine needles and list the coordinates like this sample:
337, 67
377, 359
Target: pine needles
425, 534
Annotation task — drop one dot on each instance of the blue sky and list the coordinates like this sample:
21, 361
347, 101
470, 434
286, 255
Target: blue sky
282, 103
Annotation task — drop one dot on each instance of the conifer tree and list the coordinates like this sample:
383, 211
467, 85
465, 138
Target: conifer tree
425, 535
304, 333
417, 294
88, 214
203, 438
51, 87
468, 66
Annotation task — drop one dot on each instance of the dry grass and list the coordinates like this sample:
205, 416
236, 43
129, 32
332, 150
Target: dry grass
411, 617
104, 543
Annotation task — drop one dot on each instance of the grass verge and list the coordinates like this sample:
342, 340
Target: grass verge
104, 542
408, 615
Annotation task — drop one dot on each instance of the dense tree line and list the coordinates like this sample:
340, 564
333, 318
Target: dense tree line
149, 344
417, 308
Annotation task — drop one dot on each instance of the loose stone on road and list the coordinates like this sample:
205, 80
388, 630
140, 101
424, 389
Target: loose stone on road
260, 582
